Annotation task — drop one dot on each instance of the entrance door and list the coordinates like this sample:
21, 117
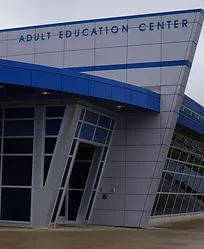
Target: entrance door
78, 178
81, 184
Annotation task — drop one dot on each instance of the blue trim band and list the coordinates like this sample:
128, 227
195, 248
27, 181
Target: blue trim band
25, 74
109, 19
132, 66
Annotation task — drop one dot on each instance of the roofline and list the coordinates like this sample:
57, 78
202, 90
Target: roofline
108, 19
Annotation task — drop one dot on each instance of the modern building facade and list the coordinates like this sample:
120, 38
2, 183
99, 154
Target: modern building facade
95, 126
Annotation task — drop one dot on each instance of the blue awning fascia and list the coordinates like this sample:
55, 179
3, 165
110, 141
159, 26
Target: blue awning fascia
51, 78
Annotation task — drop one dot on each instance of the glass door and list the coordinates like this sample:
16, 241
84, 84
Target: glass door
78, 178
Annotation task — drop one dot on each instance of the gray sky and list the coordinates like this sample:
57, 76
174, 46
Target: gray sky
15, 13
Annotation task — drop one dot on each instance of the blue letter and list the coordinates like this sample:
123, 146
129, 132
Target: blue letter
114, 29
94, 31
169, 24
68, 33
42, 37
185, 23
151, 26
48, 35
76, 33
176, 22
106, 30
160, 25
22, 38
100, 29
36, 37
142, 27
85, 30
125, 28
61, 34
29, 38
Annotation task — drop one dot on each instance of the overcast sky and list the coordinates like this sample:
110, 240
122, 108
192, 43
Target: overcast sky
15, 13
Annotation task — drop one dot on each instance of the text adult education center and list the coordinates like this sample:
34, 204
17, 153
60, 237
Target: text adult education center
94, 124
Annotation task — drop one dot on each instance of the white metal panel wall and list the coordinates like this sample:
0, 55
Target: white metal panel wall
141, 142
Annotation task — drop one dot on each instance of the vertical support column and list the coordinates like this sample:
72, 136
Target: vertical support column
45, 196
37, 172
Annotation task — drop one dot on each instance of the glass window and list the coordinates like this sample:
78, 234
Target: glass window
179, 142
50, 144
100, 135
78, 129
55, 111
201, 208
104, 122
19, 128
161, 204
17, 170
18, 145
175, 154
178, 203
183, 156
91, 117
53, 126
197, 203
82, 114
15, 204
90, 205
87, 132
172, 166
170, 204
0, 128
1, 113
109, 137
59, 197
47, 161
23, 112
73, 147
66, 172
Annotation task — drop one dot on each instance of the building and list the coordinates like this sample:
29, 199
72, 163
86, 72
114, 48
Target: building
95, 126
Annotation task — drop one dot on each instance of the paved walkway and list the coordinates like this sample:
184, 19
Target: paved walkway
186, 235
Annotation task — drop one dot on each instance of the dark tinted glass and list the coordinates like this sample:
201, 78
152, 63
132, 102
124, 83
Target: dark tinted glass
53, 126
87, 132
66, 172
104, 122
17, 170
85, 152
79, 175
82, 114
78, 129
55, 111
18, 145
90, 205
1, 113
47, 162
19, 128
24, 112
100, 135
62, 212
50, 144
74, 203
15, 204
57, 205
91, 117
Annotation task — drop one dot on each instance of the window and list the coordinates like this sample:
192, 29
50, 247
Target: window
24, 112
18, 145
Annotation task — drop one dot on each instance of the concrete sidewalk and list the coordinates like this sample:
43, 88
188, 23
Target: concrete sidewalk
184, 234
